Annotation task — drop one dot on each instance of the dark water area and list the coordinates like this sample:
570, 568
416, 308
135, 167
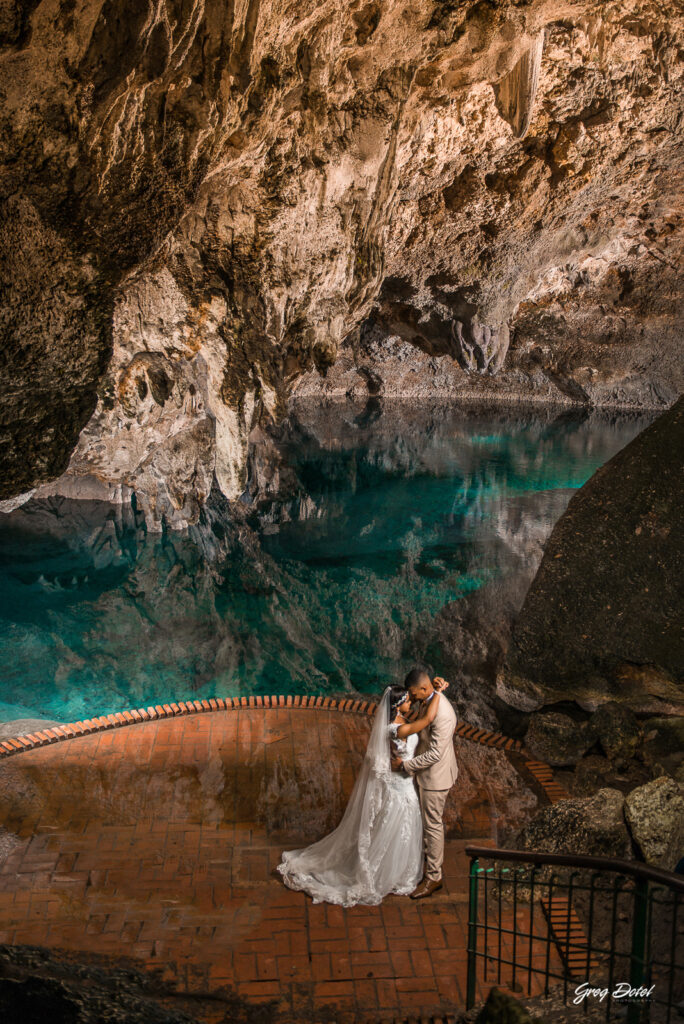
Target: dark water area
382, 516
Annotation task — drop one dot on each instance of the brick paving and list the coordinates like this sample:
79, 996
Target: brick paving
159, 841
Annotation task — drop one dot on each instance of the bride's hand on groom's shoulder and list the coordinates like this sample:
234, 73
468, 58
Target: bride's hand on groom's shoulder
439, 684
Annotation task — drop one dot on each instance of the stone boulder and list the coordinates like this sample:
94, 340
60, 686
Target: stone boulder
558, 739
594, 772
37, 984
643, 689
606, 600
655, 815
587, 825
617, 730
663, 747
503, 1008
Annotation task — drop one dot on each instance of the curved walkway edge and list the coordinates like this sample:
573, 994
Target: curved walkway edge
540, 770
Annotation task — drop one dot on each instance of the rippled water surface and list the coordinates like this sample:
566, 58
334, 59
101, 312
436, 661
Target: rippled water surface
384, 516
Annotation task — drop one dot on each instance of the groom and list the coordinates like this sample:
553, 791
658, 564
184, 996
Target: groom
434, 769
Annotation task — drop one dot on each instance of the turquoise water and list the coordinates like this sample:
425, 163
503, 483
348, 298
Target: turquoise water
383, 519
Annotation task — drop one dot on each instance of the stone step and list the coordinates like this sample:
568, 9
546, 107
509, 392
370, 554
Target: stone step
568, 934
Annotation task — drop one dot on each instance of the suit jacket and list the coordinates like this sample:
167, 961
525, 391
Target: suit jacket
434, 765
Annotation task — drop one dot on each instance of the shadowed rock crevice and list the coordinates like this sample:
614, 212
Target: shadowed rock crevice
37, 983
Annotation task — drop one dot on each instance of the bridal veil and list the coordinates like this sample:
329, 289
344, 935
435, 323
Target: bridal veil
377, 846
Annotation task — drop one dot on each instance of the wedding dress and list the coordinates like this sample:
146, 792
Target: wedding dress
377, 848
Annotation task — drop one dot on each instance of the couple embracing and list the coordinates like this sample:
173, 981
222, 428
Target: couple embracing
391, 838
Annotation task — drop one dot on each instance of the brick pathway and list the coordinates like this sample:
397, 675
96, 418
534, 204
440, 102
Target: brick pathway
159, 841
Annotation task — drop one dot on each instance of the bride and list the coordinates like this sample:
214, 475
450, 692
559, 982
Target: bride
377, 848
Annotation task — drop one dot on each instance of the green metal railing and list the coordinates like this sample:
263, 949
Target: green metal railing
597, 922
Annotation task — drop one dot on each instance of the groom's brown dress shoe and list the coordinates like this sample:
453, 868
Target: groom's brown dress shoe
426, 889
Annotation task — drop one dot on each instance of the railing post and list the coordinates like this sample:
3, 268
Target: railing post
649, 961
637, 961
472, 934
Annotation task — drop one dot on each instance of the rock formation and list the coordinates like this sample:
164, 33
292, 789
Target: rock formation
558, 739
331, 580
655, 815
602, 618
203, 202
663, 747
647, 822
66, 988
592, 825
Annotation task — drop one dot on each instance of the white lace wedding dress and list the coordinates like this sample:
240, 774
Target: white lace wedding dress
377, 848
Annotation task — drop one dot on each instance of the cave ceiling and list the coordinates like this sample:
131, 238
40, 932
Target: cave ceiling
206, 202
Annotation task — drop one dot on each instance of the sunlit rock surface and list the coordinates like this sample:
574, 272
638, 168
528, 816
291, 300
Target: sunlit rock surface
203, 202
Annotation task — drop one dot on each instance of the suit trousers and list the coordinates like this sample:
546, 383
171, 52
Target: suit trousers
432, 803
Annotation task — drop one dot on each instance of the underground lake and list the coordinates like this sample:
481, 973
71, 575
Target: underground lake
383, 520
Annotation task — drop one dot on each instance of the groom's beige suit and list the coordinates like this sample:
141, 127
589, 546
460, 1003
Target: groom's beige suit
435, 770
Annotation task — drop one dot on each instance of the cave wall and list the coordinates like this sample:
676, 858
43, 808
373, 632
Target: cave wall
603, 616
208, 204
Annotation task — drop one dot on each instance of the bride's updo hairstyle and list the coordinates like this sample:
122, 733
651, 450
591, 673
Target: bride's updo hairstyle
398, 696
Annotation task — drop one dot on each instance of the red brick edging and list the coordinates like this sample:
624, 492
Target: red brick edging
16, 744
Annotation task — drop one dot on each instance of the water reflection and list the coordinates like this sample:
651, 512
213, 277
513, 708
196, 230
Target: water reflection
365, 523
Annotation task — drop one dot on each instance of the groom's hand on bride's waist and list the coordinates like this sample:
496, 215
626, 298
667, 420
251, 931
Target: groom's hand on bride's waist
397, 764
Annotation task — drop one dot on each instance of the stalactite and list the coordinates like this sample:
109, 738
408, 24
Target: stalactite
516, 93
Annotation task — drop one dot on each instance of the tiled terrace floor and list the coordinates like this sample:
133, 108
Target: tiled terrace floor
159, 841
